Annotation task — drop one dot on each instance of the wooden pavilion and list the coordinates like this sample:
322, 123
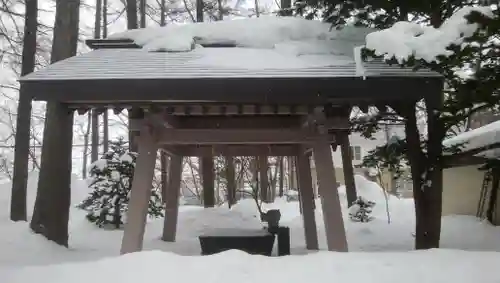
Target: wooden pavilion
199, 110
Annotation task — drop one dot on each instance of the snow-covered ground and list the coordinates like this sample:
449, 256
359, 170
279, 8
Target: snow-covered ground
380, 250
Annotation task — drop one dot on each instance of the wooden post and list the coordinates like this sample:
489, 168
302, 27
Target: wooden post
231, 182
140, 193
291, 173
307, 200
350, 185
21, 159
207, 175
330, 202
263, 178
172, 199
165, 167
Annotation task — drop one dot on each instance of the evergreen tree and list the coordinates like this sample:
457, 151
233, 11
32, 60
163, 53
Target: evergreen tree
361, 209
110, 181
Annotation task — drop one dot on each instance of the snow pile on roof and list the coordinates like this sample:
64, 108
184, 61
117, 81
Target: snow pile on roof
404, 39
270, 32
478, 138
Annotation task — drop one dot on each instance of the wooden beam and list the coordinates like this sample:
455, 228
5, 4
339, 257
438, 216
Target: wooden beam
239, 122
330, 201
253, 136
140, 193
172, 199
207, 175
159, 120
345, 151
307, 200
235, 150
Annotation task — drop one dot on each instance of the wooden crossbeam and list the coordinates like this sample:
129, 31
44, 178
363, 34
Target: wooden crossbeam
237, 150
250, 136
239, 122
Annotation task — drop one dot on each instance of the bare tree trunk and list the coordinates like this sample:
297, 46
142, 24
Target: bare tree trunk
95, 116
51, 212
257, 12
231, 181
427, 198
286, 6
131, 10
131, 14
22, 147
163, 11
105, 116
142, 12
199, 10
221, 10
86, 146
281, 174
273, 178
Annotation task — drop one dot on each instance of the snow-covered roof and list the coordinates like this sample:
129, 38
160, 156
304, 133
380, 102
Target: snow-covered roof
209, 63
478, 138
285, 47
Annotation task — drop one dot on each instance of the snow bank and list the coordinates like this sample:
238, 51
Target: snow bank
404, 39
154, 266
365, 188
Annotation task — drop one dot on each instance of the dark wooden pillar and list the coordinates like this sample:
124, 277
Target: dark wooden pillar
53, 200
307, 200
134, 113
164, 168
21, 159
140, 193
172, 199
345, 150
263, 178
231, 181
330, 202
207, 175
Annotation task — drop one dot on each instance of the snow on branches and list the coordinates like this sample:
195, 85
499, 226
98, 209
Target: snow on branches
110, 181
407, 39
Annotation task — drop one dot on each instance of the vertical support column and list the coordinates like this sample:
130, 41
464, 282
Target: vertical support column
264, 179
345, 150
134, 113
140, 192
172, 199
307, 200
292, 184
330, 202
207, 174
164, 168
231, 182
21, 159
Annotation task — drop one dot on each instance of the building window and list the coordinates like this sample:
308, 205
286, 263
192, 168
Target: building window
356, 153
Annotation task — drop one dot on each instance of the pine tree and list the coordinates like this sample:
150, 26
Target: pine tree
361, 210
110, 181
